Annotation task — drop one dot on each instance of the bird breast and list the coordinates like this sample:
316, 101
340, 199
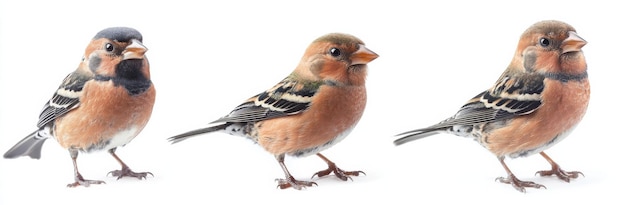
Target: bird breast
334, 112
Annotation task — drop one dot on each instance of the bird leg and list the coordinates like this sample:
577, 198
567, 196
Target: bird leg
78, 178
514, 181
289, 181
341, 174
125, 171
556, 170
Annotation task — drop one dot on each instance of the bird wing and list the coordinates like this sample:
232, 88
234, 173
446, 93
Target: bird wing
512, 95
66, 98
289, 97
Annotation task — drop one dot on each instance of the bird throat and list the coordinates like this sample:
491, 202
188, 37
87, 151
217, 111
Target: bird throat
128, 74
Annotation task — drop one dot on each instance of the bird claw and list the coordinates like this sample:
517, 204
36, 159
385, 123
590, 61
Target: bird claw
126, 172
80, 181
563, 175
85, 183
519, 184
291, 182
339, 173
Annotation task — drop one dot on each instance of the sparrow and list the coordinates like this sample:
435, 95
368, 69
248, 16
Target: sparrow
102, 105
312, 109
537, 102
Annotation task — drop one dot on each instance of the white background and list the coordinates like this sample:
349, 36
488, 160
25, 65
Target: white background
206, 58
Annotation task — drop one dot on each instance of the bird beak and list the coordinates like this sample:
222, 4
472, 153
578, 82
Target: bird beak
573, 43
135, 50
363, 56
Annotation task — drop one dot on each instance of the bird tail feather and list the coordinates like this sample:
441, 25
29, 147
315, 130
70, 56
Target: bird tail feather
29, 146
416, 134
207, 129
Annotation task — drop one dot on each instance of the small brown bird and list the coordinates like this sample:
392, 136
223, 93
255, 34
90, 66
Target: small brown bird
102, 105
538, 100
313, 108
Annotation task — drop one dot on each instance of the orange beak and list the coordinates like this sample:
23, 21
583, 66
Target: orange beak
363, 56
573, 43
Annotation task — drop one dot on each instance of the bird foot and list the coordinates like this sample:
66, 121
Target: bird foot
126, 172
563, 175
83, 182
291, 182
519, 184
339, 173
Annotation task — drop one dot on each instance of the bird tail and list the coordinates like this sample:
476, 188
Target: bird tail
29, 146
207, 129
416, 134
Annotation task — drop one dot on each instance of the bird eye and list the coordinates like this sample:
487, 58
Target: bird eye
544, 42
108, 47
334, 52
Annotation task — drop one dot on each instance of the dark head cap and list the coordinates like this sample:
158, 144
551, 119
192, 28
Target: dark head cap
120, 34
